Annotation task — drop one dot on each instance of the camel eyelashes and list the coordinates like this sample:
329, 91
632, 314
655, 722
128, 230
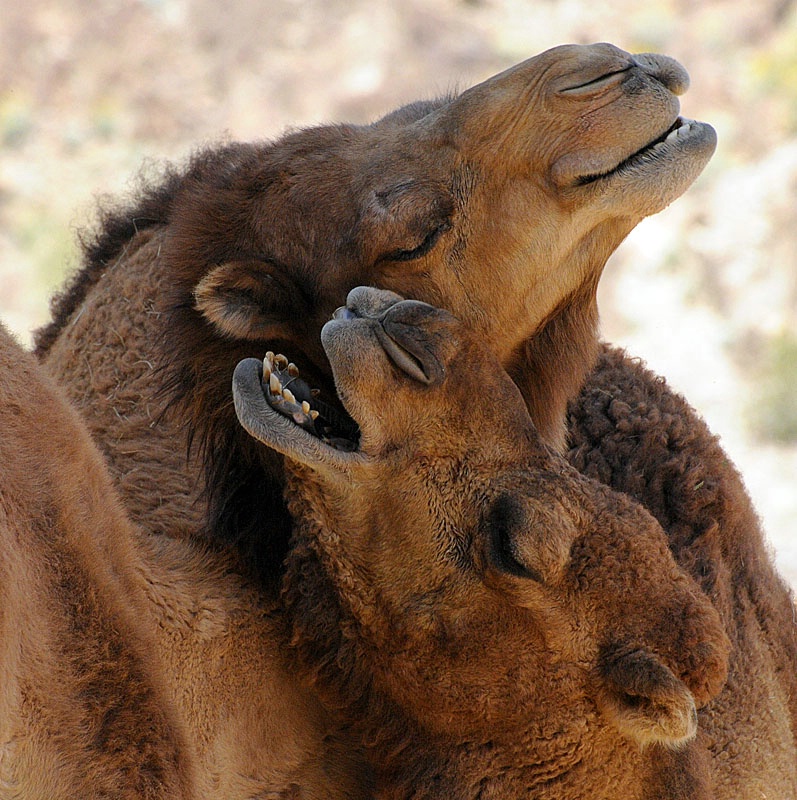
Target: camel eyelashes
423, 248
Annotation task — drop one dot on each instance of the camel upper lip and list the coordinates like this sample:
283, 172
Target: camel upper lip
401, 350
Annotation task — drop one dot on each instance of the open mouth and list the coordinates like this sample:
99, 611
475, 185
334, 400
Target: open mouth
395, 324
290, 396
676, 135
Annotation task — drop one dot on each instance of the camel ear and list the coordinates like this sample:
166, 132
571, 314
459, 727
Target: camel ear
645, 701
253, 300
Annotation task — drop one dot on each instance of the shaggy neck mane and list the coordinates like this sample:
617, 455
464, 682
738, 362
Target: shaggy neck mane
243, 485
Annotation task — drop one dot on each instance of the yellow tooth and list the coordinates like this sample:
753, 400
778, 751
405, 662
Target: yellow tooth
287, 394
270, 357
266, 369
274, 384
280, 361
293, 370
305, 406
313, 414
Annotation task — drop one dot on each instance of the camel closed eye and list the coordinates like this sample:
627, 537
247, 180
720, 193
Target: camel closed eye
429, 241
597, 84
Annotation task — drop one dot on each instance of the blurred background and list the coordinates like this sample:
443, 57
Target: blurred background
91, 91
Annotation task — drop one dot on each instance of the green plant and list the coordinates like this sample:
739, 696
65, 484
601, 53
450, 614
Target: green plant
773, 406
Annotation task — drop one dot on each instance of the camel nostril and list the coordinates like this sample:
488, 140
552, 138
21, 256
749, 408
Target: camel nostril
665, 70
343, 312
368, 302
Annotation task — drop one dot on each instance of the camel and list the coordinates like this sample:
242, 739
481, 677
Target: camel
129, 664
491, 622
631, 432
501, 203
83, 708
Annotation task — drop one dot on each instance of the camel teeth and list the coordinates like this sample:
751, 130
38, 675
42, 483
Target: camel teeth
274, 385
280, 361
270, 357
313, 414
287, 394
266, 369
305, 406
293, 370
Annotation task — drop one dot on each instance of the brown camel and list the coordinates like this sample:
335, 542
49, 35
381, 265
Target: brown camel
491, 622
130, 665
84, 711
501, 203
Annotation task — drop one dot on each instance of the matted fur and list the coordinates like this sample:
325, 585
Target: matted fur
630, 431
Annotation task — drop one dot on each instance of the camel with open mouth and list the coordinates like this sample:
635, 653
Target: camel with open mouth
487, 620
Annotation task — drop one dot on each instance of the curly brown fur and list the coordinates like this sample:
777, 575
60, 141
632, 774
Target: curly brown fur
453, 586
629, 430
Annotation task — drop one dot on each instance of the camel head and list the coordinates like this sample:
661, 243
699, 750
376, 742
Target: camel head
500, 204
469, 559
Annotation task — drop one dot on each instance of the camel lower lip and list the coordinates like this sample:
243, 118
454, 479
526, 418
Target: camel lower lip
681, 133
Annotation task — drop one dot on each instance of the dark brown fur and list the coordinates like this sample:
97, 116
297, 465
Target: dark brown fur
630, 431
